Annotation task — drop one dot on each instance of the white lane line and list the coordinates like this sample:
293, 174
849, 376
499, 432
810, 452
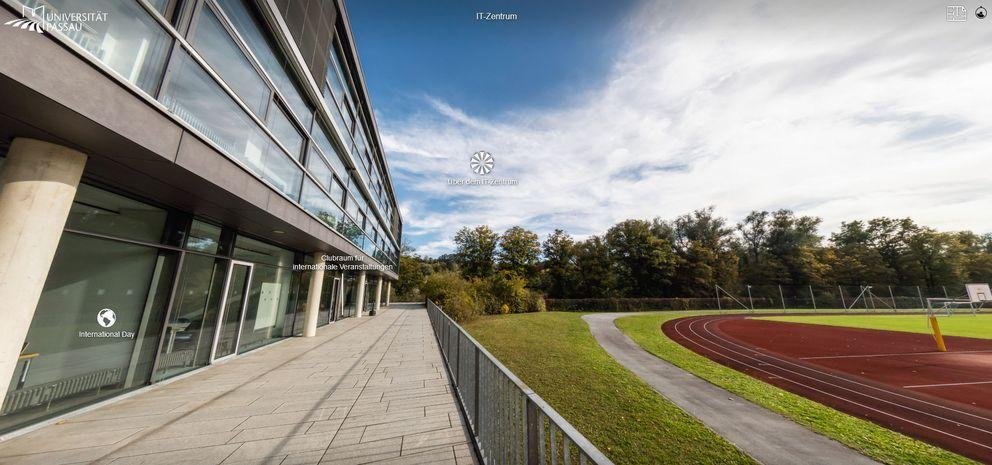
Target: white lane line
843, 399
693, 321
851, 380
947, 384
896, 355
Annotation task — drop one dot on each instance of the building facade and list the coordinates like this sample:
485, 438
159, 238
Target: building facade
181, 181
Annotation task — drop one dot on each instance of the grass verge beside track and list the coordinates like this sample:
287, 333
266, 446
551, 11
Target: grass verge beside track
964, 325
875, 441
557, 356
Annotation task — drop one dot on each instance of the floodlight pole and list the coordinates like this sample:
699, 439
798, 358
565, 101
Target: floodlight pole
780, 296
893, 299
945, 292
920, 294
812, 297
718, 306
842, 302
871, 297
749, 299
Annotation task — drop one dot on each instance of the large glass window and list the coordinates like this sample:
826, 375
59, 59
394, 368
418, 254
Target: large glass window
127, 39
328, 298
285, 131
189, 333
95, 330
203, 237
251, 250
268, 54
197, 99
102, 212
268, 304
317, 203
219, 49
332, 156
319, 169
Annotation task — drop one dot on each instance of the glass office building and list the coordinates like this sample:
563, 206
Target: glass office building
226, 142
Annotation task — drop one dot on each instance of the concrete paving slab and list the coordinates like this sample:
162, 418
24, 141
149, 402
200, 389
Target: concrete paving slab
327, 399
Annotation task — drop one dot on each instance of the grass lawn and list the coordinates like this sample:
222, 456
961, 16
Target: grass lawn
979, 326
557, 356
875, 441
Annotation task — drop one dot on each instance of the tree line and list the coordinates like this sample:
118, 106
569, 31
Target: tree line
688, 255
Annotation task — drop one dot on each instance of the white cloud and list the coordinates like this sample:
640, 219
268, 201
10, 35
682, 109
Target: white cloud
841, 111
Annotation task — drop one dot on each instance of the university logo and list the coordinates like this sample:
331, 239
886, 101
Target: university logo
31, 21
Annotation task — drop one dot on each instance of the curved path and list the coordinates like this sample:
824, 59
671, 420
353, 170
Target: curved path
764, 435
881, 376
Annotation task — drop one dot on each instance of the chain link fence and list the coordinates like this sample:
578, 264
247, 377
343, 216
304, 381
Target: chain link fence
865, 297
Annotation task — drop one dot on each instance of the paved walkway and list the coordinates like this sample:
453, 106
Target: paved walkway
764, 435
368, 390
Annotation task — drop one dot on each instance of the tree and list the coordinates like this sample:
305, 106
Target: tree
559, 263
703, 244
475, 251
644, 262
936, 255
780, 248
889, 238
519, 251
855, 260
594, 275
976, 261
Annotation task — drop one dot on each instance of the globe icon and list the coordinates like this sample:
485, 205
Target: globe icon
106, 318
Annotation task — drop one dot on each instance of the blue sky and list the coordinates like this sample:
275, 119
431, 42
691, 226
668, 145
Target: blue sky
603, 111
415, 48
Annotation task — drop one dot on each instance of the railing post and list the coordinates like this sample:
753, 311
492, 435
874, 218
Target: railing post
458, 355
533, 426
475, 419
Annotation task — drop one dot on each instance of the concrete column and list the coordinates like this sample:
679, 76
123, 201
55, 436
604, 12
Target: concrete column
360, 295
37, 184
389, 290
313, 296
378, 296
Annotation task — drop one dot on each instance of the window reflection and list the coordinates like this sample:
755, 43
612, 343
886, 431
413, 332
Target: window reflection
268, 54
218, 48
128, 40
193, 96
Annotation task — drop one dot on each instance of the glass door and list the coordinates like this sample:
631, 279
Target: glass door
232, 310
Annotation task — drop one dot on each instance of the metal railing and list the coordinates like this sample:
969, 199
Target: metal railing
510, 424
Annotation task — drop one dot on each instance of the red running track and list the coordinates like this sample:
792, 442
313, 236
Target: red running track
894, 379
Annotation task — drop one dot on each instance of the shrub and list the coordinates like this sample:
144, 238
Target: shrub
504, 292
535, 302
455, 295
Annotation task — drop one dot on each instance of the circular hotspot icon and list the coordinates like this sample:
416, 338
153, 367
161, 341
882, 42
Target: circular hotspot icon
482, 162
106, 317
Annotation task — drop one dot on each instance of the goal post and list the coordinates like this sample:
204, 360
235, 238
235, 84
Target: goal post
976, 296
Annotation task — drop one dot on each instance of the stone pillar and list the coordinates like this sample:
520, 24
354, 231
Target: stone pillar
360, 295
389, 290
313, 296
378, 296
38, 181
